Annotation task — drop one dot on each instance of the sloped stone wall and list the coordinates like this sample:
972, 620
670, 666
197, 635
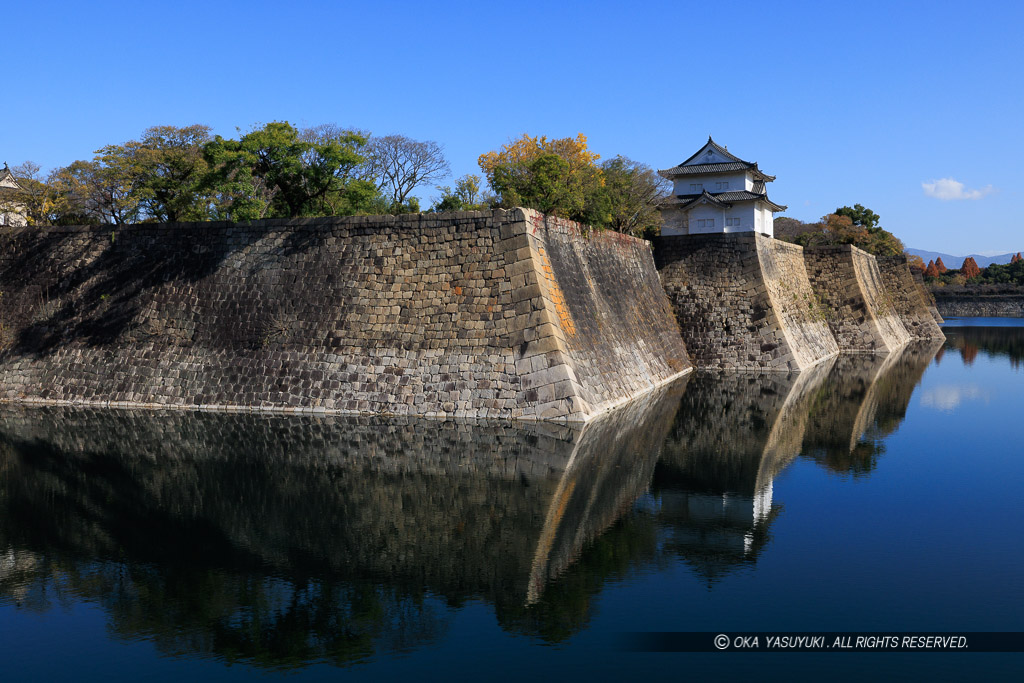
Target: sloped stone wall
743, 301
436, 315
911, 302
932, 304
861, 313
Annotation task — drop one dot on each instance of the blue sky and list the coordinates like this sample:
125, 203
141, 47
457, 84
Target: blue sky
912, 109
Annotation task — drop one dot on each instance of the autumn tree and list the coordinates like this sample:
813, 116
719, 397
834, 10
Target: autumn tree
916, 262
1016, 257
940, 266
34, 197
104, 190
856, 226
553, 176
931, 270
970, 268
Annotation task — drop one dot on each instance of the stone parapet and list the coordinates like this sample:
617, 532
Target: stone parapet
477, 314
744, 301
860, 310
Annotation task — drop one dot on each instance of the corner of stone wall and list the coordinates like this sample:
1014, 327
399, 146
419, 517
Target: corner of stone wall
798, 312
549, 388
863, 317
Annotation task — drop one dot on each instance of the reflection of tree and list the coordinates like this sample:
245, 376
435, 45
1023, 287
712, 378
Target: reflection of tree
994, 341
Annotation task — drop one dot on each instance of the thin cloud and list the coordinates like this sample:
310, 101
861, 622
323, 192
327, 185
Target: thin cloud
947, 189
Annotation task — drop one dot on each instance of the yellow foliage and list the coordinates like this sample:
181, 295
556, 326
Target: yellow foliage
528, 147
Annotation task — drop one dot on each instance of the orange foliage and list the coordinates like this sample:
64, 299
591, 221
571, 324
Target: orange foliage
527, 148
931, 270
940, 266
1016, 257
968, 353
970, 268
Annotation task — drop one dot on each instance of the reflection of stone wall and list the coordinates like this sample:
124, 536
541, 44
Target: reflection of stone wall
734, 432
862, 315
499, 314
864, 399
467, 509
910, 300
743, 301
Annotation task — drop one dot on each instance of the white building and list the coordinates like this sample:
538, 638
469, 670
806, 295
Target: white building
714, 191
12, 211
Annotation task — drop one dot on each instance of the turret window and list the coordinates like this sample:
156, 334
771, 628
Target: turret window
723, 185
696, 187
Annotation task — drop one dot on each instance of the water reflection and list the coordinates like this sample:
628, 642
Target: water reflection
995, 342
280, 541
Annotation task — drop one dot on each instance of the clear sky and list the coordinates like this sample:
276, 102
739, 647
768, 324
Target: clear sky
913, 109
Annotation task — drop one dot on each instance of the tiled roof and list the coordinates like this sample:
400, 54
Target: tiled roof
701, 169
723, 199
718, 148
707, 168
735, 164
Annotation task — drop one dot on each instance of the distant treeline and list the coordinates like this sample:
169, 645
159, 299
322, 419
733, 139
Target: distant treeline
279, 171
996, 278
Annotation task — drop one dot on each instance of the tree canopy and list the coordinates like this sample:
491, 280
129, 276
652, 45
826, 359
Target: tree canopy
272, 171
842, 228
561, 177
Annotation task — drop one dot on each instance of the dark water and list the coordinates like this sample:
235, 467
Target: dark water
870, 494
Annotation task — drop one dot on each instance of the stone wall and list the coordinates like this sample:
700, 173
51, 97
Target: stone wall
743, 301
919, 281
479, 314
860, 311
980, 306
911, 301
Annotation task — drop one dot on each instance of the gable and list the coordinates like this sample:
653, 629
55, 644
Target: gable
711, 153
7, 179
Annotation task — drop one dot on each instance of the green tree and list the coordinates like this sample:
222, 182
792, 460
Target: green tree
465, 197
545, 183
173, 169
859, 215
275, 172
628, 198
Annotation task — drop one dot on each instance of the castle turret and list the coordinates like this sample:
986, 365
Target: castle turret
715, 192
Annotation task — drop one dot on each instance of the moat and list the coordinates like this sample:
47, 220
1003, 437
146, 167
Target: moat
868, 493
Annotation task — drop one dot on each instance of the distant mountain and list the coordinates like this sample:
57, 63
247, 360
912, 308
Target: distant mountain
957, 261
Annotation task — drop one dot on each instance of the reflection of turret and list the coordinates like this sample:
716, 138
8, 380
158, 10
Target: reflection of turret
864, 399
733, 434
307, 523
